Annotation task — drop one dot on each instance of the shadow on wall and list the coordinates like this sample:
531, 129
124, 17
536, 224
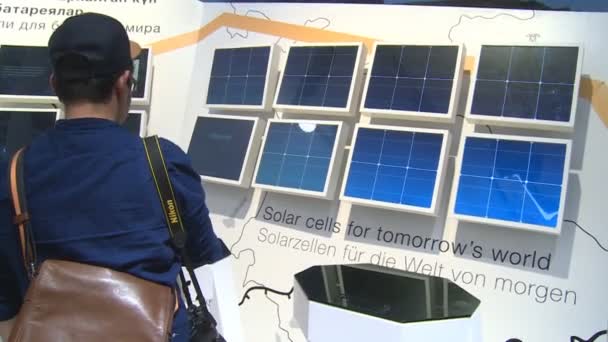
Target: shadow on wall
307, 215
228, 201
462, 108
524, 250
579, 137
402, 230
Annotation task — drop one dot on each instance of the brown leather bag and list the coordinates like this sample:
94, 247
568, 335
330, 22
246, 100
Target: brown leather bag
69, 301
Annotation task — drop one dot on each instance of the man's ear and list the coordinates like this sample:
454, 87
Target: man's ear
124, 80
122, 87
53, 83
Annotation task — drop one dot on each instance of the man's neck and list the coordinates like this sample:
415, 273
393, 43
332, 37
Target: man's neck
88, 110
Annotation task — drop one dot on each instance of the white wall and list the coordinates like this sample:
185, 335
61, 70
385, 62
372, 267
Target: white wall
577, 262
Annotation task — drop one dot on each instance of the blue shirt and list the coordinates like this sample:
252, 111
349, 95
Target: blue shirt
92, 199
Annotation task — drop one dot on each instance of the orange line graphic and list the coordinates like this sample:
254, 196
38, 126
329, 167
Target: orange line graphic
274, 28
469, 63
596, 92
186, 39
592, 90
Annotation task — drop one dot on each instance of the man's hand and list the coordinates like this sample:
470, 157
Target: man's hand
5, 329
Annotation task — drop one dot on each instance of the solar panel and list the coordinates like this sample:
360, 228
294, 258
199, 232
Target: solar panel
142, 72
320, 79
298, 156
136, 122
526, 85
18, 127
513, 181
242, 78
396, 168
414, 81
223, 149
24, 73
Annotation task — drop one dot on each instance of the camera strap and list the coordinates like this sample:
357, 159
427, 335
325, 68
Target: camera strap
178, 233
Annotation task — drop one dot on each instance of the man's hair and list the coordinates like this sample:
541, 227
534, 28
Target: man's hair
71, 89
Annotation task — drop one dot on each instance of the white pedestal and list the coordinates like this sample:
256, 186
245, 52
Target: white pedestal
327, 315
220, 293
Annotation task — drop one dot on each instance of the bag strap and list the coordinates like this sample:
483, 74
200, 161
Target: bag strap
22, 217
178, 233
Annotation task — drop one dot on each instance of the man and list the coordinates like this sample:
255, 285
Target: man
90, 192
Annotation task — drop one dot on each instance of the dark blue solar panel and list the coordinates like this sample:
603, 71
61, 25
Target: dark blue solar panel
25, 70
318, 76
534, 83
509, 180
297, 155
133, 123
412, 78
219, 146
18, 129
394, 166
238, 76
140, 72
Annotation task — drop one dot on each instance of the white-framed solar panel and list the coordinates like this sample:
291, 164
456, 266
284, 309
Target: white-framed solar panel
526, 86
25, 73
224, 148
414, 82
19, 126
301, 157
243, 78
396, 168
321, 78
511, 181
137, 122
143, 73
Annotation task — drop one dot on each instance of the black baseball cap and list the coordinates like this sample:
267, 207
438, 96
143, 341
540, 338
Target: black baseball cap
97, 46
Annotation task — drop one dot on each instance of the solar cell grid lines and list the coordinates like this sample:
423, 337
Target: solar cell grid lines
320, 78
297, 156
396, 168
240, 77
513, 181
535, 85
414, 81
25, 72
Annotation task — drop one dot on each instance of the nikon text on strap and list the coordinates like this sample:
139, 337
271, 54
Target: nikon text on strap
172, 213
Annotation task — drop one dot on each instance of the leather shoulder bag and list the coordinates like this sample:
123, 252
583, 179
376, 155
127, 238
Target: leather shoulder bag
69, 301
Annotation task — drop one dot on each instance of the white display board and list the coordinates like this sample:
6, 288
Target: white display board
519, 275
